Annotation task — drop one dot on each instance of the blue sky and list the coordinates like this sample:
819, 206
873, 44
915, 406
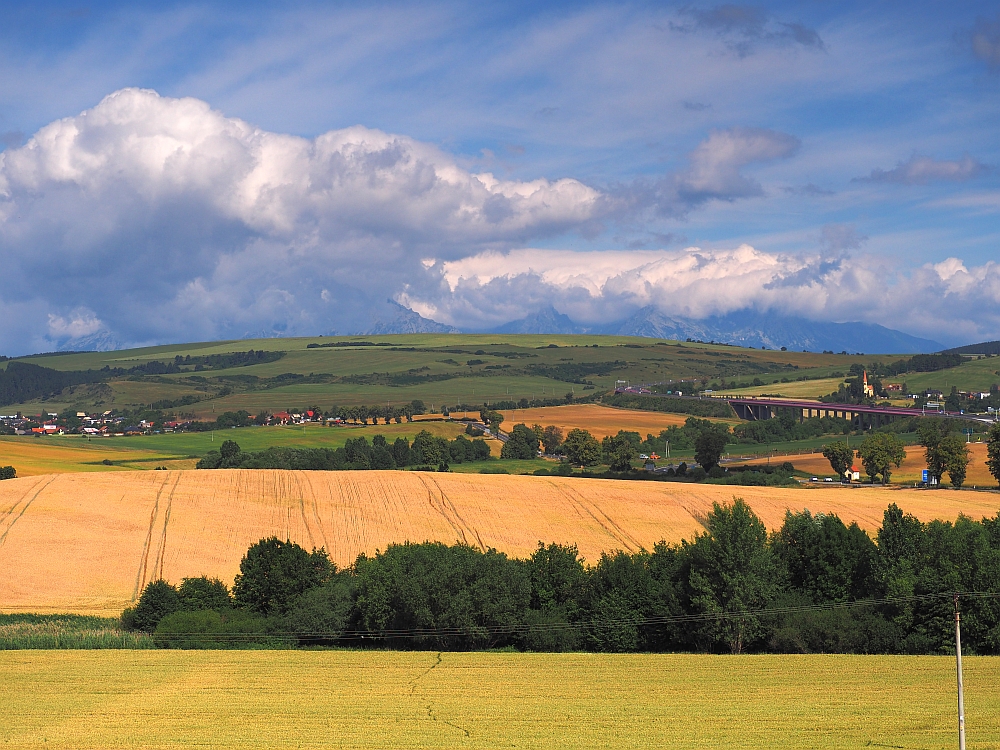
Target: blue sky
845, 143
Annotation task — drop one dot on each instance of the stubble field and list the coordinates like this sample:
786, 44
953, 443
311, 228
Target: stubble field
247, 699
89, 543
599, 420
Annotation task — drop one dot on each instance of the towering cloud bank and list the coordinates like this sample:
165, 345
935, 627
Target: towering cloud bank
158, 218
149, 219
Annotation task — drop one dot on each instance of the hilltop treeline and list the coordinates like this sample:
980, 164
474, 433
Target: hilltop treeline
816, 585
24, 381
357, 454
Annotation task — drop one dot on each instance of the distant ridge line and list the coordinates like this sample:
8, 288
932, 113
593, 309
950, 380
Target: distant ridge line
984, 347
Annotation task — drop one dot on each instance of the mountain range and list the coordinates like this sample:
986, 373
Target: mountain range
748, 328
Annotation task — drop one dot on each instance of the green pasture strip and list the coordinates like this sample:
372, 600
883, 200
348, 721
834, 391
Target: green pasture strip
287, 436
972, 375
366, 699
29, 631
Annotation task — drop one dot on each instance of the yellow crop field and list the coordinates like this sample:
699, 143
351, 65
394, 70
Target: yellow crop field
35, 456
796, 389
90, 542
598, 420
977, 474
377, 699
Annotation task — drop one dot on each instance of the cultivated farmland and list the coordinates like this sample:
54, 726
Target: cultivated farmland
248, 699
90, 542
598, 420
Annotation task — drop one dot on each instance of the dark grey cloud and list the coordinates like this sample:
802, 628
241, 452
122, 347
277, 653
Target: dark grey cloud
985, 41
919, 170
838, 238
743, 27
809, 189
714, 173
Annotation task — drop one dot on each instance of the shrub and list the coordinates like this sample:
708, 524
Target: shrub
212, 629
158, 600
204, 593
273, 573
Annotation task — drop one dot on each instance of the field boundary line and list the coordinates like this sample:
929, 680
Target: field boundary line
38, 491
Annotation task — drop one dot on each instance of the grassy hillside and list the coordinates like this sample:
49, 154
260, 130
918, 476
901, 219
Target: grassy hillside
435, 368
89, 543
365, 699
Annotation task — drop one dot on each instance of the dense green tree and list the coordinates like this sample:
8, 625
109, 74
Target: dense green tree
552, 438
993, 452
8, 472
824, 559
274, 573
879, 453
620, 450
158, 600
708, 448
522, 443
446, 597
729, 572
204, 593
322, 613
840, 456
580, 447
401, 451
952, 455
427, 449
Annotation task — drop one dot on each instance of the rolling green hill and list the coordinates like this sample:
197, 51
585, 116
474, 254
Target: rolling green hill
439, 369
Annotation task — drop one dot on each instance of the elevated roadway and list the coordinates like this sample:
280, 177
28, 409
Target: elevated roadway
753, 408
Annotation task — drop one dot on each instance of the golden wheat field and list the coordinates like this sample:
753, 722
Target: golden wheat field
598, 420
378, 699
90, 542
909, 472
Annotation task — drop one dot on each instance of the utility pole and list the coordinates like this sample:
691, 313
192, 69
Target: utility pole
958, 660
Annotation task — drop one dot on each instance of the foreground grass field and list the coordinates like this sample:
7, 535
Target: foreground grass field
89, 543
248, 699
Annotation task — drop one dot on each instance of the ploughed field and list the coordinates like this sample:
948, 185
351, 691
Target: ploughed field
366, 699
89, 543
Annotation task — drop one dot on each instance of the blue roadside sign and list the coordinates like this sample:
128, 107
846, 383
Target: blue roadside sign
925, 475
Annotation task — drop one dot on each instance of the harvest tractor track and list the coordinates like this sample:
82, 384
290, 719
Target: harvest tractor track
449, 512
91, 542
9, 519
585, 508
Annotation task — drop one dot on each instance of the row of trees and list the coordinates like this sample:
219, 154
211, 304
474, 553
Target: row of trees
815, 585
945, 451
356, 454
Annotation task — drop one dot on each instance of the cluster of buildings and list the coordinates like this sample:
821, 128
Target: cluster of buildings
98, 425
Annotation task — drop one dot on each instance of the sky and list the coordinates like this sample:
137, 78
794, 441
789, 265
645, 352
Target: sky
196, 171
